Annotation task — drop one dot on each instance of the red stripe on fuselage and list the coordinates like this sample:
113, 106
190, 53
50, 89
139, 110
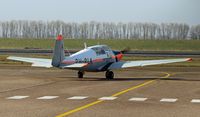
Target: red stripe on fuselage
68, 62
97, 60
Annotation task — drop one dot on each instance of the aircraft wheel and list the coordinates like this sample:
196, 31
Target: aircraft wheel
109, 75
80, 74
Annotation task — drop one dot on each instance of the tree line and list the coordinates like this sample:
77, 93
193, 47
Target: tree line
97, 30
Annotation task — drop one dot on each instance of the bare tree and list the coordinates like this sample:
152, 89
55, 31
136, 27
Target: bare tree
96, 30
195, 32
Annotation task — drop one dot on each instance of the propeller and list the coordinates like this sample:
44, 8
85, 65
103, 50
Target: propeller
125, 50
119, 54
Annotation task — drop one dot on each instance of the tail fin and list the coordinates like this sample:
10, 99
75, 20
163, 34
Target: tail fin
58, 54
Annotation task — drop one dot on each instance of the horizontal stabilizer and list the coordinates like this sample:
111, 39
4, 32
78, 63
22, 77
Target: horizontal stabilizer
76, 65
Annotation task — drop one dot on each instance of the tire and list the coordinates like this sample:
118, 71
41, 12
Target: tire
109, 75
80, 74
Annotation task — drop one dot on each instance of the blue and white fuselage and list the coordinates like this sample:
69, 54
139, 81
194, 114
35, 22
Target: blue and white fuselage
94, 58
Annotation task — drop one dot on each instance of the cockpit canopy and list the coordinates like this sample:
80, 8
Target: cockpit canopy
101, 49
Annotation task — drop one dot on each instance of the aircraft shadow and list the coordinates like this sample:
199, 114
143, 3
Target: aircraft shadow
131, 79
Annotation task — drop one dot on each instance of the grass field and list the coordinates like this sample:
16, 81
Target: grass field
150, 45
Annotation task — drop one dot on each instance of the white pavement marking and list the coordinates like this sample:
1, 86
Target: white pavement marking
108, 98
138, 99
168, 100
17, 97
77, 97
195, 101
47, 97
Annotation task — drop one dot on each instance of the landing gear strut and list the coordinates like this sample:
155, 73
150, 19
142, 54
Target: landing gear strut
80, 74
109, 75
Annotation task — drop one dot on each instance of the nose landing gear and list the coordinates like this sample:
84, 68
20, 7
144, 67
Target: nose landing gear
109, 75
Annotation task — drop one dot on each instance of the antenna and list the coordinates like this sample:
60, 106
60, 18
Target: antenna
85, 45
68, 52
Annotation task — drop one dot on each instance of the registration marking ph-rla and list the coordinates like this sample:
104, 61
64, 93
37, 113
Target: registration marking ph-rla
108, 98
195, 101
168, 100
47, 97
138, 99
77, 97
17, 97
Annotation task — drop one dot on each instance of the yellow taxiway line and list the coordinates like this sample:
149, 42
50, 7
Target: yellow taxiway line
114, 95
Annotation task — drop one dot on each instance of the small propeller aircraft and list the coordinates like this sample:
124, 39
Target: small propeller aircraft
98, 58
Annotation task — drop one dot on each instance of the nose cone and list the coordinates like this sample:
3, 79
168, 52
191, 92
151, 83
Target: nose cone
118, 55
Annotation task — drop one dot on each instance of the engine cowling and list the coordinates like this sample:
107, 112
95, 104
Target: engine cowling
118, 55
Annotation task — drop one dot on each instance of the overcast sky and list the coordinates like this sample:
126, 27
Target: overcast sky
181, 11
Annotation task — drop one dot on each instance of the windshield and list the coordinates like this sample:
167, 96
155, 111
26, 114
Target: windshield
99, 51
106, 48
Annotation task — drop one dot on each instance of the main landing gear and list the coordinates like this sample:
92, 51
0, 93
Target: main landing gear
109, 75
80, 74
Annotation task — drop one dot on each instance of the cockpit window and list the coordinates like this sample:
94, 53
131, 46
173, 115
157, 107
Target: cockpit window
106, 48
99, 51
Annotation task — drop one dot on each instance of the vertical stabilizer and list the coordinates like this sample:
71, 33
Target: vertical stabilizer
59, 53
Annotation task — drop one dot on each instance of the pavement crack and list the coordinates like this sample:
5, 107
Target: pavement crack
43, 84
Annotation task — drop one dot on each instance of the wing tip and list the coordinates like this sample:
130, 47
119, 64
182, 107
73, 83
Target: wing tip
9, 57
189, 59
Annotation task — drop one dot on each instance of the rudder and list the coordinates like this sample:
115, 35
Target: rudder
59, 53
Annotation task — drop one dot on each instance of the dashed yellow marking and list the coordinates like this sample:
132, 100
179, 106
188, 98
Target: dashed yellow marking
114, 95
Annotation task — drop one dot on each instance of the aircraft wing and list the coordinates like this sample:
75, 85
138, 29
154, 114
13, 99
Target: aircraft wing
127, 64
36, 62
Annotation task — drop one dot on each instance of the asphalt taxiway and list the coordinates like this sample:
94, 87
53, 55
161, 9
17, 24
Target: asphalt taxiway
140, 92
